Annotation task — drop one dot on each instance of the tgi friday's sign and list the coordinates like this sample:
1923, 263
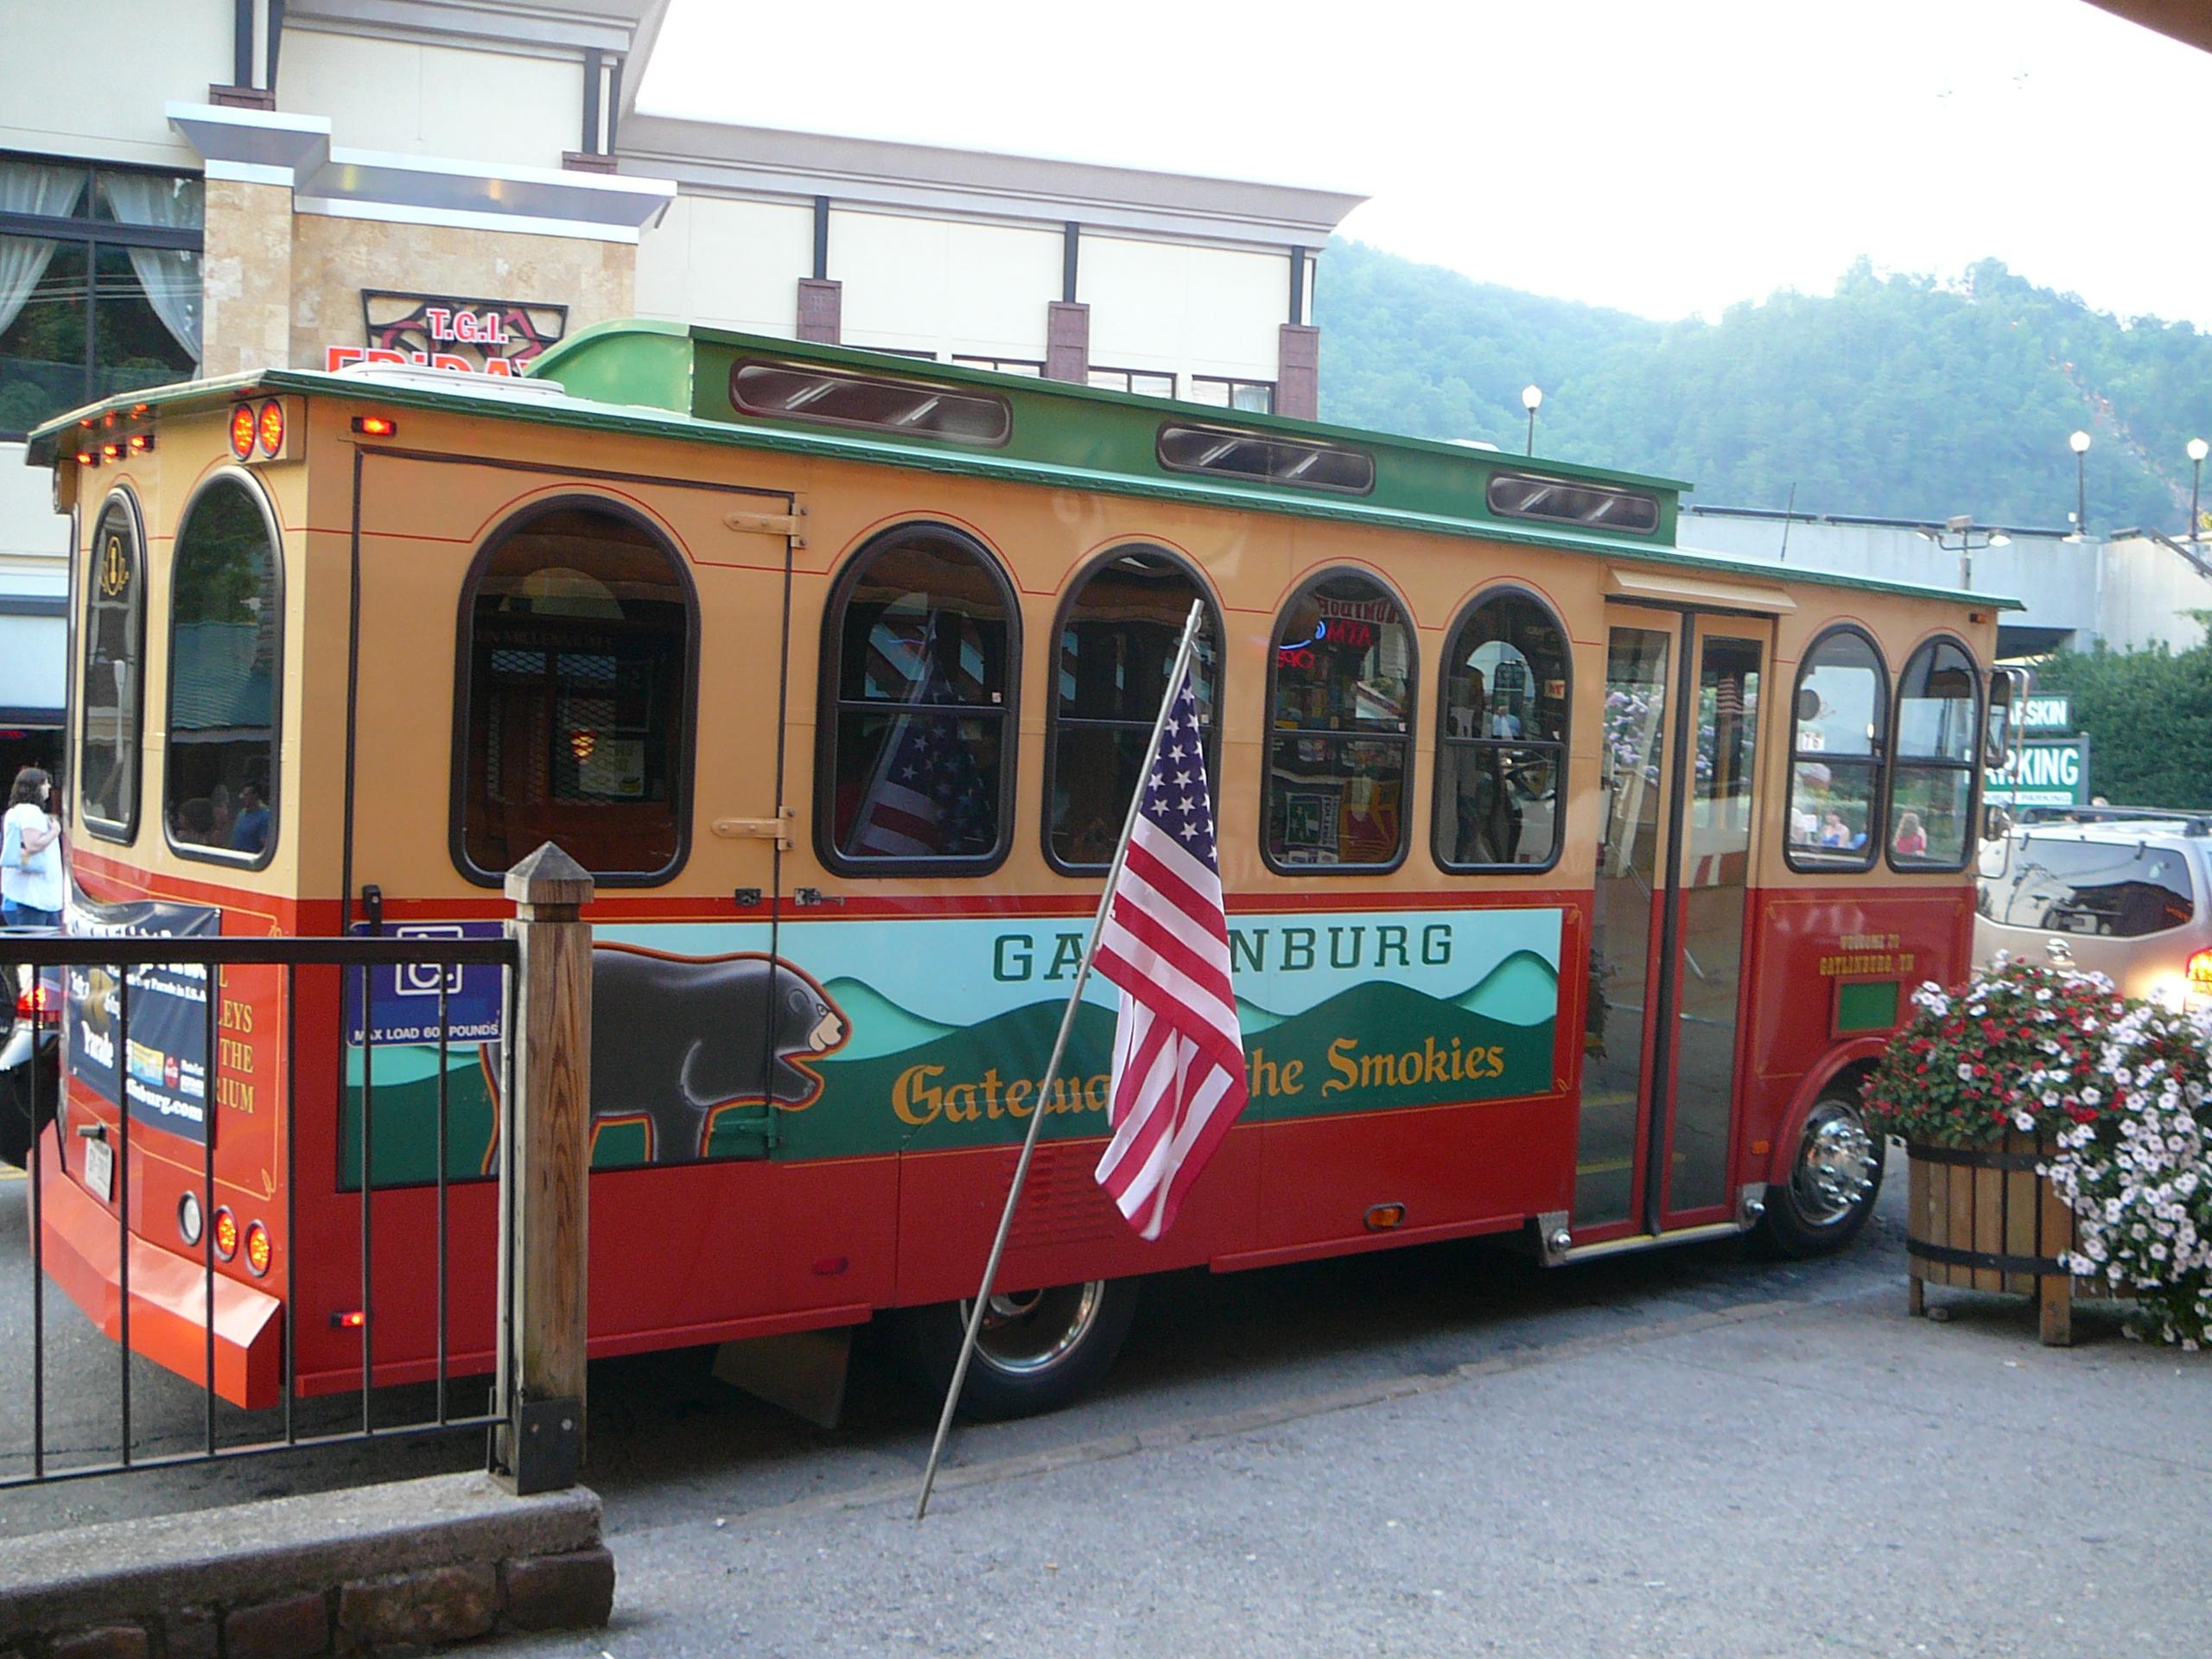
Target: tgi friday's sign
444, 331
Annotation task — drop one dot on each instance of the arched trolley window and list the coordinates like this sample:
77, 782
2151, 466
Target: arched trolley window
1839, 727
1501, 751
113, 692
917, 749
1340, 709
578, 638
1116, 642
221, 779
1937, 747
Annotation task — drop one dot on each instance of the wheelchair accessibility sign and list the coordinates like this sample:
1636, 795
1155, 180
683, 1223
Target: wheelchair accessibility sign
402, 998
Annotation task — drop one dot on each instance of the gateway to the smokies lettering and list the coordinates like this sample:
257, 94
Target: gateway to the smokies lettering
1016, 957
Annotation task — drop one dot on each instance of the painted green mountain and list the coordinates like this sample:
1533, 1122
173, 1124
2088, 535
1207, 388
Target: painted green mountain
1522, 991
878, 1025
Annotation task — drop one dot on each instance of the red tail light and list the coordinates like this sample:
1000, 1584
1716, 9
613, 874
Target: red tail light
2200, 972
226, 1234
40, 1003
257, 1249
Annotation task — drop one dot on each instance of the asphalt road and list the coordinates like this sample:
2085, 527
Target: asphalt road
1440, 1451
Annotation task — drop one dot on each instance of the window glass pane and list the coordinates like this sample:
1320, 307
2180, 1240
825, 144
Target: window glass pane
2118, 891
48, 189
172, 201
924, 623
1278, 460
1343, 660
1335, 800
1498, 804
225, 641
579, 672
147, 332
840, 399
42, 339
1830, 805
917, 783
1938, 704
1505, 676
1260, 399
1840, 698
1523, 496
1928, 815
115, 634
1116, 647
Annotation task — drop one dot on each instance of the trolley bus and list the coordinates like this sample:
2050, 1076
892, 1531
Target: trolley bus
1575, 878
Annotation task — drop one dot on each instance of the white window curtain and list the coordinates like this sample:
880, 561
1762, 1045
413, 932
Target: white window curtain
28, 187
170, 276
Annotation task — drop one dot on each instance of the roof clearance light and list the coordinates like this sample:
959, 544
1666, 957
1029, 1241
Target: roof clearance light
257, 1249
242, 425
88, 457
110, 452
376, 426
226, 1234
272, 428
141, 443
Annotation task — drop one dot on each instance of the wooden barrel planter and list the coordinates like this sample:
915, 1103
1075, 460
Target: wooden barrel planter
1983, 1219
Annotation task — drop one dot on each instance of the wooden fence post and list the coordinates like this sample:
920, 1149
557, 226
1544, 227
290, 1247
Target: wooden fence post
544, 1184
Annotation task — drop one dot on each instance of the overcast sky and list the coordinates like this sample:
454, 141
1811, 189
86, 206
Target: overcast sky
1663, 158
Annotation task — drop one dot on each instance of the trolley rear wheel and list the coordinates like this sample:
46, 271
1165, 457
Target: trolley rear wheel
1038, 1350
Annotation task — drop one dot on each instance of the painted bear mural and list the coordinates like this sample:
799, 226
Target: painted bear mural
675, 1039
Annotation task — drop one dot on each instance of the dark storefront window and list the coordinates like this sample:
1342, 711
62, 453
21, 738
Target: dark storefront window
99, 284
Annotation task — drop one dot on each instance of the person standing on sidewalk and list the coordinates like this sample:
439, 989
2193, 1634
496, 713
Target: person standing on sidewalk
31, 854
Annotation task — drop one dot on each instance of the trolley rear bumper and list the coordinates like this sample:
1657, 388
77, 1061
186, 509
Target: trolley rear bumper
168, 1295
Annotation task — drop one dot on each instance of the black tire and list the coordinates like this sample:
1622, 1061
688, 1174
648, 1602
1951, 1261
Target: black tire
1836, 1176
1038, 1351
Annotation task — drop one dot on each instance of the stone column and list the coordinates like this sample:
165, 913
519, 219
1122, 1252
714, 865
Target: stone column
1067, 341
821, 309
1298, 372
246, 278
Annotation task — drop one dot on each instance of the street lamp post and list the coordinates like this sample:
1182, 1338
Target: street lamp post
2079, 443
2198, 450
1958, 536
1531, 395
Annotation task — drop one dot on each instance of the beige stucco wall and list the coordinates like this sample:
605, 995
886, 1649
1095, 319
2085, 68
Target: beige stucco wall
64, 93
945, 286
729, 263
333, 259
434, 100
1201, 310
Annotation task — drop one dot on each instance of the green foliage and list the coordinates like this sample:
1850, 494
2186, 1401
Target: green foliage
1894, 396
2149, 717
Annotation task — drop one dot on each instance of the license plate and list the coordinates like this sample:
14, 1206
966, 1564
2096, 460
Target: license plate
99, 1170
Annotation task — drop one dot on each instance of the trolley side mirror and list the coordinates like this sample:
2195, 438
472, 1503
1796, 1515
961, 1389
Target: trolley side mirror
2008, 698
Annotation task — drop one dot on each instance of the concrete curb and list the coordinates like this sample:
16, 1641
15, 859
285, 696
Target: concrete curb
440, 1559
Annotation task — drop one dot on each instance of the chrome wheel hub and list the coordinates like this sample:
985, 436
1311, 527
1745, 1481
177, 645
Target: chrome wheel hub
1027, 1331
1836, 1162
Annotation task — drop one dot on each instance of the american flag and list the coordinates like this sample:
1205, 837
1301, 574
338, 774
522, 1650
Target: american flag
1179, 1053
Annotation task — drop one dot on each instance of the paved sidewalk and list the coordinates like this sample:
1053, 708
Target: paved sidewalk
1776, 1479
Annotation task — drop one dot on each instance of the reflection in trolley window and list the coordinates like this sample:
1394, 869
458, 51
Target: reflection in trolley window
227, 620
1118, 640
577, 653
1340, 704
1503, 748
115, 657
919, 646
1841, 715
1938, 741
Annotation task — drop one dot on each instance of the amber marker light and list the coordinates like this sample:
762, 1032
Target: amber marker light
88, 457
2200, 972
376, 426
226, 1234
353, 1321
141, 443
110, 452
1383, 1216
272, 427
257, 1249
242, 431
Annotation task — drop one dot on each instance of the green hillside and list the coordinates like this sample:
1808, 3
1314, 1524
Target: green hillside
1894, 396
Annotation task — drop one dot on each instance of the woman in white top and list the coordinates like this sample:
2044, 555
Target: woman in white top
31, 854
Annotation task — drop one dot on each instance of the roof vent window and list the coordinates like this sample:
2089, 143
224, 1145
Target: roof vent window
1265, 459
783, 391
1528, 495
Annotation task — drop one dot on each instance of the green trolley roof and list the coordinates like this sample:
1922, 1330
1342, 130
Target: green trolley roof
715, 386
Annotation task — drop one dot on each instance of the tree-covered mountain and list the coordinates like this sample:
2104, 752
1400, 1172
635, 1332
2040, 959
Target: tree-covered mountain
1895, 396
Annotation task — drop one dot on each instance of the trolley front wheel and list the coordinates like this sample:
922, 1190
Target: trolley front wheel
1038, 1349
1834, 1180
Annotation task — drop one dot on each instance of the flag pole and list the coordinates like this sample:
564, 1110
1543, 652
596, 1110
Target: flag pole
1183, 652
